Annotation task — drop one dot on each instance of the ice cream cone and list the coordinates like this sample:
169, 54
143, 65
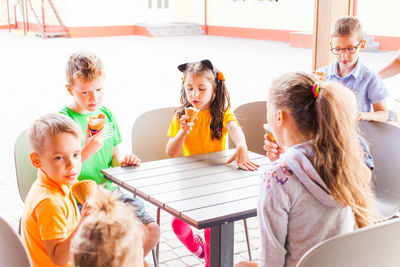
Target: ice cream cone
96, 123
268, 130
192, 113
83, 189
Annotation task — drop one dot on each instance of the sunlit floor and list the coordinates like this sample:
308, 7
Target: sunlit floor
142, 75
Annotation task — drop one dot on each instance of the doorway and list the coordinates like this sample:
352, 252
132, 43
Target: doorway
159, 11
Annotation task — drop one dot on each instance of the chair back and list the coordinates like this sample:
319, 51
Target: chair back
149, 134
384, 142
26, 173
12, 249
251, 117
376, 245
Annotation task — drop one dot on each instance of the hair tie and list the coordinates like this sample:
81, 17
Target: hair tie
315, 89
220, 76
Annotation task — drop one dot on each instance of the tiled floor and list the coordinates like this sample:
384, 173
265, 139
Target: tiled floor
141, 75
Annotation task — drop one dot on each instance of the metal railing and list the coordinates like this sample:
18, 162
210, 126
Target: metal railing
48, 20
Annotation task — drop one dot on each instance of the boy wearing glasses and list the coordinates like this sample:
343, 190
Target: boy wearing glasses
346, 44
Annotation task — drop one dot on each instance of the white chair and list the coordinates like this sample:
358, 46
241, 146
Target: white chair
251, 117
149, 141
12, 249
372, 246
25, 172
384, 142
149, 134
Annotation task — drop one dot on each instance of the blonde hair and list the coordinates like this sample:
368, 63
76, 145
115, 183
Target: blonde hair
84, 66
329, 120
111, 236
50, 125
347, 26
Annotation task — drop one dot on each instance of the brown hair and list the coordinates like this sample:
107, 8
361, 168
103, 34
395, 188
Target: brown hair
329, 120
49, 125
84, 66
221, 101
111, 236
347, 26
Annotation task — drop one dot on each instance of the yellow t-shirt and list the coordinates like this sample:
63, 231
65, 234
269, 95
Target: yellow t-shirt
50, 212
198, 141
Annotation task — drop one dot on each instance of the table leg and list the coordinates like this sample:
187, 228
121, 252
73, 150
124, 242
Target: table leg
221, 245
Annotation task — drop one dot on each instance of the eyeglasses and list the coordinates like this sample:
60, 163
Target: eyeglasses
348, 50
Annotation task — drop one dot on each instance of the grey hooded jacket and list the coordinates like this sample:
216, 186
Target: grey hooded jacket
296, 210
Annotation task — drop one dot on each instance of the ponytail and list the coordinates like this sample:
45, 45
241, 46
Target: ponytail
338, 151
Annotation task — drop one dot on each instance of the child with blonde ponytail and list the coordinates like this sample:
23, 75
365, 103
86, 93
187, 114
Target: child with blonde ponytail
320, 186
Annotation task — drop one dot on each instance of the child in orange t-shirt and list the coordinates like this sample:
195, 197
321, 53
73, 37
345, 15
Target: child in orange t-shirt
51, 217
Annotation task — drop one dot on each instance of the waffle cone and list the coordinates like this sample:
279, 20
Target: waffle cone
269, 133
83, 189
192, 113
96, 123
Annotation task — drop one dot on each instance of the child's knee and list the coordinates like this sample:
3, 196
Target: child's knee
152, 232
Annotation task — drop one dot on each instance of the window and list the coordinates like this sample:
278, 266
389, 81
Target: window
236, 2
264, 2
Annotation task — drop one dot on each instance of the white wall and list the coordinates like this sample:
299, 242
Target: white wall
97, 12
78, 13
380, 17
281, 15
3, 11
188, 11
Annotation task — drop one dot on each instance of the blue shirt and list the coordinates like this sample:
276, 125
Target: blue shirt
365, 83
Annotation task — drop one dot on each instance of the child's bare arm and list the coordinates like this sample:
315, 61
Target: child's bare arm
175, 143
380, 113
241, 155
129, 159
392, 68
59, 249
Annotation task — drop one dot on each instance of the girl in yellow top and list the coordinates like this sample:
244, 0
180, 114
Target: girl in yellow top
203, 87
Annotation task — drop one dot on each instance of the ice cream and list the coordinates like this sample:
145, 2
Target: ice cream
83, 189
268, 130
192, 113
96, 123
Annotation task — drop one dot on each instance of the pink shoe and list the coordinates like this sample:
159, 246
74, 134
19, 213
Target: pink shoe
201, 251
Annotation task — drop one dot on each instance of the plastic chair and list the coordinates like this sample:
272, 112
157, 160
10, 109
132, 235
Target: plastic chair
12, 249
149, 134
383, 139
149, 141
26, 173
372, 246
251, 117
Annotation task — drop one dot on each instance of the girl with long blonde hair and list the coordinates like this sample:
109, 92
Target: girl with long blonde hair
320, 186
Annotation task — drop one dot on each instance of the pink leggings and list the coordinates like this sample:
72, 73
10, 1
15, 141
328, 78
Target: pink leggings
184, 233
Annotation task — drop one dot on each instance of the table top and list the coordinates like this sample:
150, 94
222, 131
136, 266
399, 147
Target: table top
202, 189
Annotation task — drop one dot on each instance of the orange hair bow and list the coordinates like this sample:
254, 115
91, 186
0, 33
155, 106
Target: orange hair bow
220, 76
